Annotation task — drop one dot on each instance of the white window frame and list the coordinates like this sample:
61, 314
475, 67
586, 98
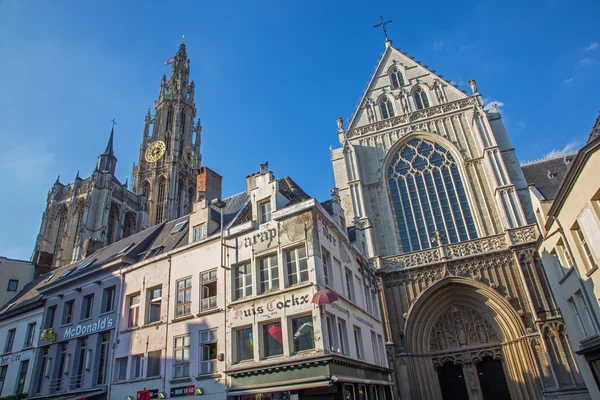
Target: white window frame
118, 370
327, 267
207, 338
133, 309
30, 335
181, 356
343, 336
208, 302
236, 353
137, 366
10, 340
198, 232
349, 278
242, 281
153, 301
265, 264
264, 211
358, 342
294, 268
586, 253
186, 291
108, 299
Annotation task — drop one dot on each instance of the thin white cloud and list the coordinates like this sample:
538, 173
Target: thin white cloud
587, 62
490, 103
438, 44
592, 46
570, 147
569, 80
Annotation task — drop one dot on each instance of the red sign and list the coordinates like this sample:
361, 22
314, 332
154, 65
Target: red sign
147, 394
182, 391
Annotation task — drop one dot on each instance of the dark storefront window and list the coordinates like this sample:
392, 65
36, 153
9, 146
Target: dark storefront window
61, 367
302, 333
272, 339
42, 368
77, 380
244, 345
68, 312
103, 362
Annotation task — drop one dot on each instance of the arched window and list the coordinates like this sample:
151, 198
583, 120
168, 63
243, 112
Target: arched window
387, 109
396, 78
77, 223
169, 118
113, 224
168, 143
60, 222
428, 196
146, 190
182, 119
421, 98
129, 228
160, 200
181, 208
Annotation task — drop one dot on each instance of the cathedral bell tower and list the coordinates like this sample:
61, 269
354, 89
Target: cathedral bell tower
170, 152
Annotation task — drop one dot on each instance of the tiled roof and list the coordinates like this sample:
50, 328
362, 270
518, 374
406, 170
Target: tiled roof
328, 206
292, 191
548, 174
28, 296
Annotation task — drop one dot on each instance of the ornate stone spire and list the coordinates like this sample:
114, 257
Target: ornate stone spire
107, 162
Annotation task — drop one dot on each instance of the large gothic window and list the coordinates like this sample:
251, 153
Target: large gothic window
129, 228
180, 198
428, 195
113, 224
61, 220
160, 200
420, 97
396, 78
387, 110
182, 119
169, 118
190, 198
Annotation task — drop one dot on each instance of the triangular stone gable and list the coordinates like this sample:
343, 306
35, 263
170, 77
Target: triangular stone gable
414, 74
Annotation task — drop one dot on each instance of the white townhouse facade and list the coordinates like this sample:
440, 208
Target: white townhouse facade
280, 344
20, 322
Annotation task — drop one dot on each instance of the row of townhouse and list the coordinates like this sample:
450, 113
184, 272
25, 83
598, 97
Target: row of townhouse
262, 295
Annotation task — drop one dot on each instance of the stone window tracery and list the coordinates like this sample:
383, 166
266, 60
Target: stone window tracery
396, 78
162, 189
428, 195
387, 109
461, 326
421, 99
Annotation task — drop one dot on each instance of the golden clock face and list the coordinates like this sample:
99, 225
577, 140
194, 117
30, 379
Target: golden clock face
189, 155
155, 151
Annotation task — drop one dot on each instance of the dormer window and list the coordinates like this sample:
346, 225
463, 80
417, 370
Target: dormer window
264, 211
421, 99
387, 109
396, 78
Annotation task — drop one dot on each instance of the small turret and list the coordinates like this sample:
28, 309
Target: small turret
107, 162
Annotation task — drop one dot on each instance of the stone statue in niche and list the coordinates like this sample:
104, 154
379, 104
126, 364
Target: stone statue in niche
473, 86
340, 124
460, 332
481, 333
370, 115
437, 88
404, 103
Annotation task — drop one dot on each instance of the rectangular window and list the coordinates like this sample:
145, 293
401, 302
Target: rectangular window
30, 335
382, 353
87, 306
343, 336
242, 281
264, 209
13, 284
10, 339
358, 343
137, 366
181, 362
349, 285
586, 316
153, 364
272, 340
133, 314
268, 273
22, 376
565, 254
50, 317
3, 370
198, 232
368, 299
327, 273
68, 312
375, 345
61, 367
244, 345
586, 252
208, 290
184, 297
121, 369
81, 362
208, 351
297, 267
302, 334
575, 311
375, 303
154, 302
43, 357
332, 334
561, 269
108, 299
103, 358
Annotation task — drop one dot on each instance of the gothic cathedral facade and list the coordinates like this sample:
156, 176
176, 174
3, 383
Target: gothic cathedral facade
102, 209
433, 182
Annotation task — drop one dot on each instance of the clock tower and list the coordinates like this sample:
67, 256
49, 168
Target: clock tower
170, 150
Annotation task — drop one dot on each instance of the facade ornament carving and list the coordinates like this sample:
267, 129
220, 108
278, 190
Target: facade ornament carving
473, 86
437, 88
340, 124
461, 326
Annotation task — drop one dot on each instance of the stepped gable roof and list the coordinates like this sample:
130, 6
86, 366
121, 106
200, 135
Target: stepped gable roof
548, 174
27, 299
328, 206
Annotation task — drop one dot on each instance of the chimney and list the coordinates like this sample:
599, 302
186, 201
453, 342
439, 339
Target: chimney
42, 263
90, 246
208, 184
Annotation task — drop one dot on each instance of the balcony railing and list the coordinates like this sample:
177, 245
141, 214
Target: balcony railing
456, 251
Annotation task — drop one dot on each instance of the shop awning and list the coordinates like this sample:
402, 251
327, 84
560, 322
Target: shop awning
359, 380
279, 388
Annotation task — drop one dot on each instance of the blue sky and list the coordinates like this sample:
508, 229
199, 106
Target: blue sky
271, 78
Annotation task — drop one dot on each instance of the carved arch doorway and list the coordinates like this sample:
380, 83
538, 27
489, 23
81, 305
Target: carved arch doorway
492, 379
